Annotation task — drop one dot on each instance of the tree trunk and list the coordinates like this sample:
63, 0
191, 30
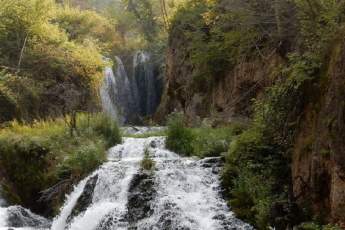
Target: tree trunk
21, 54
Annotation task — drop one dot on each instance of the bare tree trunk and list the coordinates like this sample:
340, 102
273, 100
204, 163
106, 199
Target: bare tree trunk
21, 54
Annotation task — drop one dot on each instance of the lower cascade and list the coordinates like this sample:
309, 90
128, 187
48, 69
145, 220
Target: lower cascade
178, 193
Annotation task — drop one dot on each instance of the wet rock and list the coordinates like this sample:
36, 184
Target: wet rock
85, 199
212, 160
141, 194
19, 217
153, 144
112, 221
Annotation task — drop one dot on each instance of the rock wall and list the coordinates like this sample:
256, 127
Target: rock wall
318, 152
228, 98
318, 159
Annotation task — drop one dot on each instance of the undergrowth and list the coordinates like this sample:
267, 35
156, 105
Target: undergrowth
34, 157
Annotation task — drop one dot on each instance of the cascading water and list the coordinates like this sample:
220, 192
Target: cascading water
128, 98
17, 217
147, 82
181, 193
108, 94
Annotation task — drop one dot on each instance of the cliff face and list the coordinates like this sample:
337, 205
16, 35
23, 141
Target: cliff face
318, 159
318, 151
229, 97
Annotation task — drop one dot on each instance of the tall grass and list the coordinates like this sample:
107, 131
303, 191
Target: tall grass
201, 141
179, 137
35, 156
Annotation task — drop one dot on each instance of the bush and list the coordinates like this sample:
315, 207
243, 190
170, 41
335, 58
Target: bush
147, 163
212, 142
108, 128
85, 160
24, 161
315, 226
37, 156
253, 158
179, 137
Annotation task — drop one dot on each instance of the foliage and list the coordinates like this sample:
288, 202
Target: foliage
212, 142
179, 137
147, 163
108, 128
84, 25
34, 157
315, 226
59, 72
85, 160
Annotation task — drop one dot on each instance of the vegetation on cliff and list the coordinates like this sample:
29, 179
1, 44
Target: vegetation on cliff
222, 36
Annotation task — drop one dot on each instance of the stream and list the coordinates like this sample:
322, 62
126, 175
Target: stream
179, 193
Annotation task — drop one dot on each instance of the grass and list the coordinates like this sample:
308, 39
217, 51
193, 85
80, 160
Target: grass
34, 157
201, 141
148, 134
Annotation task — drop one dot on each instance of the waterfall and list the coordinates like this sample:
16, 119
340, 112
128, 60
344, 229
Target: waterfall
147, 83
129, 98
109, 93
181, 193
2, 201
110, 192
18, 217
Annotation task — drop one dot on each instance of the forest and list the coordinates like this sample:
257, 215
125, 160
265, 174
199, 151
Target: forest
172, 114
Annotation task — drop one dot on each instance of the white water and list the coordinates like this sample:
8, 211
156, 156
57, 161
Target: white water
107, 93
110, 192
186, 194
128, 98
22, 217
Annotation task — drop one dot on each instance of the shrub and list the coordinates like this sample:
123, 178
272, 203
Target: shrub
108, 128
147, 163
315, 226
85, 160
211, 142
179, 137
37, 156
24, 161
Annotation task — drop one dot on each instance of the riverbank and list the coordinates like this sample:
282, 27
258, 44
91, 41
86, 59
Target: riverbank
255, 176
40, 162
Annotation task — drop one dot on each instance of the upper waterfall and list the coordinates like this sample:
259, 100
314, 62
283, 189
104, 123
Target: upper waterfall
129, 98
